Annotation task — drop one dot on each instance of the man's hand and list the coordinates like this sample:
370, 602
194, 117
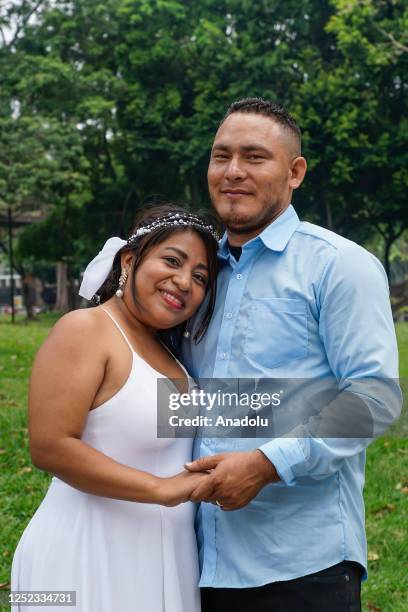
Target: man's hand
235, 478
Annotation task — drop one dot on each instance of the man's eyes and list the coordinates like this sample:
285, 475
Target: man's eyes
255, 157
252, 157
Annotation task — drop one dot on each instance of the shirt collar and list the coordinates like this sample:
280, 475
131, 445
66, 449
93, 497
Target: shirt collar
275, 236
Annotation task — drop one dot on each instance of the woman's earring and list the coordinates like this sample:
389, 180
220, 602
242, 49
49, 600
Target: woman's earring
122, 282
186, 332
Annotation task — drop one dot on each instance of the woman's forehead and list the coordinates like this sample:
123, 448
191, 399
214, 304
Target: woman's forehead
186, 240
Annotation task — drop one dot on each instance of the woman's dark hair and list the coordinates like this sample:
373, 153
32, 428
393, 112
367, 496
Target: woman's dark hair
143, 245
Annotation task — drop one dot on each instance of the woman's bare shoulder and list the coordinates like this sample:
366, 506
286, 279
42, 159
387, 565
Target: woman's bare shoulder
82, 328
83, 320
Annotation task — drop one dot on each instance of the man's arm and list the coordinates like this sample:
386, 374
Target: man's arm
358, 334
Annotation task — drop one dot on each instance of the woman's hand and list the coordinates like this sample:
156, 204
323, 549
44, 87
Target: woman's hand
177, 489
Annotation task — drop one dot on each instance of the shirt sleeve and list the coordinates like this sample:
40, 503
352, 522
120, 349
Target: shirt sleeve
358, 335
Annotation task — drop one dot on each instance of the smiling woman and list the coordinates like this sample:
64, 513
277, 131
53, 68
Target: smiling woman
165, 254
113, 526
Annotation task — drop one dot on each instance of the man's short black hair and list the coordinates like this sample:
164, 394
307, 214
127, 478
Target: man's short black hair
276, 112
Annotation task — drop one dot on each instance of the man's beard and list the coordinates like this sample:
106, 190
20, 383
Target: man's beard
241, 224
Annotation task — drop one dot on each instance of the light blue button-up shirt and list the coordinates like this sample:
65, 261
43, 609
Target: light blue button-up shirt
302, 302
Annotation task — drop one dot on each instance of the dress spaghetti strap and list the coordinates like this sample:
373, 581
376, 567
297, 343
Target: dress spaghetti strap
188, 377
119, 328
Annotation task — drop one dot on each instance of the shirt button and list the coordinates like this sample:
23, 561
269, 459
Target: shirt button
228, 315
239, 276
223, 355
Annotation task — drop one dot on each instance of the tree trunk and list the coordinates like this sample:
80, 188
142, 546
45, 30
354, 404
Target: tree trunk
29, 296
387, 251
389, 239
329, 216
62, 304
11, 263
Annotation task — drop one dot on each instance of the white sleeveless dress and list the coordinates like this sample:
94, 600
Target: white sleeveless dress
119, 556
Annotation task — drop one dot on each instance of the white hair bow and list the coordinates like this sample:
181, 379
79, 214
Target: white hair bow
97, 271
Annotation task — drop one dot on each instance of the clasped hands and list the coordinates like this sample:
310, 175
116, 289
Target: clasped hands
234, 479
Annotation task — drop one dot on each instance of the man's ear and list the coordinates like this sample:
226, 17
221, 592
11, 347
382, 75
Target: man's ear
297, 172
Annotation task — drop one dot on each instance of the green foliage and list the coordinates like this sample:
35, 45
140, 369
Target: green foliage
126, 95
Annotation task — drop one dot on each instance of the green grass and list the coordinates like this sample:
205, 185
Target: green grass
22, 486
402, 335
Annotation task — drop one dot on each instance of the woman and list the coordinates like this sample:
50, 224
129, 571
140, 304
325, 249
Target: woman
110, 527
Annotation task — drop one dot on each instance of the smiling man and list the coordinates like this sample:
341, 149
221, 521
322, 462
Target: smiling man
281, 526
255, 165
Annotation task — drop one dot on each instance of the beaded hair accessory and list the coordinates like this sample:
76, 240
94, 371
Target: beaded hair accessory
97, 271
173, 219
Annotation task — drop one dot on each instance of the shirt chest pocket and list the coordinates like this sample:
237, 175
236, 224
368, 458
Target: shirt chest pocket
276, 332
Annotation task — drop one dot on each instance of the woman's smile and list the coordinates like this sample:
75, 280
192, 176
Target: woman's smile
172, 299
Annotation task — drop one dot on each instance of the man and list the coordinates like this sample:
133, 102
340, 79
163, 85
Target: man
281, 526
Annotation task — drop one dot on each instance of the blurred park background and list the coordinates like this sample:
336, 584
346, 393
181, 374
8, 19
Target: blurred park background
106, 105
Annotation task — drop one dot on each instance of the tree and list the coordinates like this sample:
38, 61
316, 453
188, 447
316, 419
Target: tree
378, 73
140, 86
